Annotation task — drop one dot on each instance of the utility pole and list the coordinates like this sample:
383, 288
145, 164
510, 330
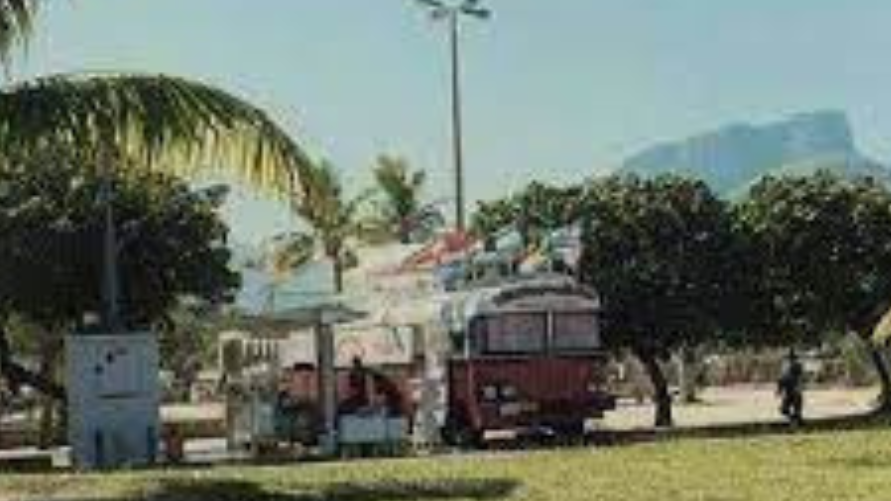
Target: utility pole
111, 281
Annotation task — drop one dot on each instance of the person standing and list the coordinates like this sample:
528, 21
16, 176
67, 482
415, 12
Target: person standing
790, 389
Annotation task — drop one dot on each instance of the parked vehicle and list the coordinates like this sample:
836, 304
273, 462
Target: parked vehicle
526, 357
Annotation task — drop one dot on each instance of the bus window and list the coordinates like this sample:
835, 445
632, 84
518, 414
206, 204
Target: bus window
575, 332
515, 333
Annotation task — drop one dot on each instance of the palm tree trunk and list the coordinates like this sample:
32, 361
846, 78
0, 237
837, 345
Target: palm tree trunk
661, 394
338, 276
404, 231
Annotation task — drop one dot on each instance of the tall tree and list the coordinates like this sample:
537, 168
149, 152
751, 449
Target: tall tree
825, 256
401, 211
660, 253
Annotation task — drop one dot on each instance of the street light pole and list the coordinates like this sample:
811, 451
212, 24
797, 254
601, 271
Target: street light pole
457, 138
440, 10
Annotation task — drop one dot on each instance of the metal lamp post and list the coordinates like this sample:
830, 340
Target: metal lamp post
452, 13
111, 281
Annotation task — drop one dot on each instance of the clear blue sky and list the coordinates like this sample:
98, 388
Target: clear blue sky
555, 90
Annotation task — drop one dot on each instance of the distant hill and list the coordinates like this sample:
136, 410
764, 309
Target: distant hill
733, 157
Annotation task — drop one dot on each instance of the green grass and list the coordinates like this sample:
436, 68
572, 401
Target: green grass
837, 467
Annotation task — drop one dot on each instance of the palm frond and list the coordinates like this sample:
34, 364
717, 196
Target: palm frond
168, 123
16, 19
289, 253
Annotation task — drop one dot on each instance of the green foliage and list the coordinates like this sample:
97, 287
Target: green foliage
660, 252
187, 341
164, 122
824, 255
537, 209
401, 213
16, 19
51, 219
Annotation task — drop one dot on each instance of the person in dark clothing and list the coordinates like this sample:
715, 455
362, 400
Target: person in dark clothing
388, 395
790, 389
359, 397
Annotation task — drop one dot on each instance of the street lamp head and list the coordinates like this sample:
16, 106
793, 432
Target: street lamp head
477, 12
440, 14
441, 9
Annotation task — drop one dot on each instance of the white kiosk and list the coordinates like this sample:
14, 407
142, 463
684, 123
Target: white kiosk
113, 399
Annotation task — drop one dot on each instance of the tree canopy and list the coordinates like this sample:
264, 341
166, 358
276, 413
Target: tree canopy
533, 211
172, 248
172, 242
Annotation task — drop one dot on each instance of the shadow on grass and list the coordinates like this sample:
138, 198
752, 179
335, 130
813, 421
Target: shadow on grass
237, 490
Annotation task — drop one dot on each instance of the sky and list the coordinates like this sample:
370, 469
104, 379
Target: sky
554, 90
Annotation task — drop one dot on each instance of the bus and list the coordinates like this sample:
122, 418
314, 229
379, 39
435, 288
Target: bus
526, 357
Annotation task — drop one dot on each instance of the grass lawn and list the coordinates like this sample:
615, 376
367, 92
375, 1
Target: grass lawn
840, 466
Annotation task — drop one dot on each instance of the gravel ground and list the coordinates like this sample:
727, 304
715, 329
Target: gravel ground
744, 404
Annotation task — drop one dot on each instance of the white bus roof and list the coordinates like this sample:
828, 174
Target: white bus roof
544, 292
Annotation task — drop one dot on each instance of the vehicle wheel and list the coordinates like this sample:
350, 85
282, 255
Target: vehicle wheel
571, 432
458, 432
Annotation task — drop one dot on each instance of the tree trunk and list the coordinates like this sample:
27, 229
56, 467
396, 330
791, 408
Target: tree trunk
48, 356
881, 367
45, 429
405, 231
661, 395
338, 276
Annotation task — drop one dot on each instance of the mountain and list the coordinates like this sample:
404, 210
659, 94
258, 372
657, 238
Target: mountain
733, 157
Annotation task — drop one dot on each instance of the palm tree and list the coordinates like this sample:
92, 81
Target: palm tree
401, 212
16, 17
164, 122
334, 219
151, 121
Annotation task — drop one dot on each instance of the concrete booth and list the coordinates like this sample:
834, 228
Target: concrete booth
113, 399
